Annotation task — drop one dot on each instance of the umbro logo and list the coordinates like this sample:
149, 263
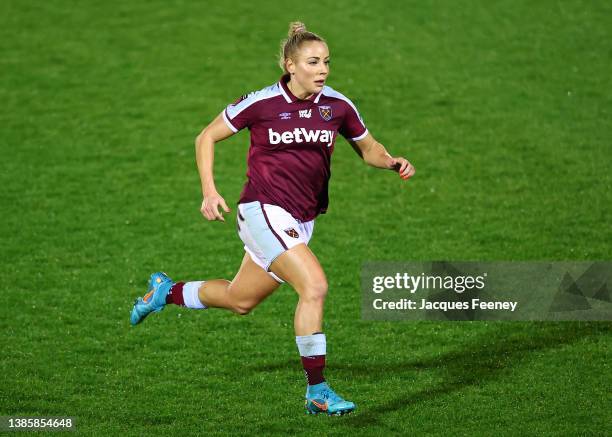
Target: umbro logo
306, 113
285, 115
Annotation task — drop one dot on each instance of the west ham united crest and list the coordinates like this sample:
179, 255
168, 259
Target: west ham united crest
292, 233
325, 112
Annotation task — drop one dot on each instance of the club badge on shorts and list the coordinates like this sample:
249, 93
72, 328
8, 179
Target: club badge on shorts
325, 112
292, 233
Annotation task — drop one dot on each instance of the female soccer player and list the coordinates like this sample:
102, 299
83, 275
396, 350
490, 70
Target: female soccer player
294, 125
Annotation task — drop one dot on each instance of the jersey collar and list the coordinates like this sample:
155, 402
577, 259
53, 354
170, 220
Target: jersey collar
288, 95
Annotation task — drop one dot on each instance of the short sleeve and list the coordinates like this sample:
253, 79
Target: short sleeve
352, 127
241, 113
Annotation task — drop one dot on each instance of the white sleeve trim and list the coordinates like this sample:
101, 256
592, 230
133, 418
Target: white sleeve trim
229, 124
360, 137
251, 99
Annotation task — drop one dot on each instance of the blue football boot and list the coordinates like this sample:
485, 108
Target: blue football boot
321, 398
155, 299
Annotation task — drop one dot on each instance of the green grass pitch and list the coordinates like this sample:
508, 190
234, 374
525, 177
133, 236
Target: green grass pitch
503, 107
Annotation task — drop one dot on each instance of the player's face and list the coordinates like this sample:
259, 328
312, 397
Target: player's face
311, 67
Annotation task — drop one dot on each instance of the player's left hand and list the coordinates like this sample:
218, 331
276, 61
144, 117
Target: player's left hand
403, 167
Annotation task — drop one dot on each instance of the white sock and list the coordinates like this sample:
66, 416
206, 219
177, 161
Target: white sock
191, 297
310, 345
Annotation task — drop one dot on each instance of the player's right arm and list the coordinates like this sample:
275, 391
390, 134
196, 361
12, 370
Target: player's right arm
216, 131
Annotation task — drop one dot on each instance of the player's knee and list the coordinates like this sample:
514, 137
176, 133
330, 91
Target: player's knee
242, 310
243, 307
237, 302
315, 291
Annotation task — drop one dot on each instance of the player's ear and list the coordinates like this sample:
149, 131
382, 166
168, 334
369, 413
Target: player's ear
290, 66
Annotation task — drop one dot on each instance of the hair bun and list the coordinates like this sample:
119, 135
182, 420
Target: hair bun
296, 27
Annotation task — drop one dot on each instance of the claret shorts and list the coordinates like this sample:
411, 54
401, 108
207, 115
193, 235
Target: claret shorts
268, 230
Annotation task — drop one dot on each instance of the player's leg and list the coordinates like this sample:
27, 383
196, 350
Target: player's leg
250, 286
300, 267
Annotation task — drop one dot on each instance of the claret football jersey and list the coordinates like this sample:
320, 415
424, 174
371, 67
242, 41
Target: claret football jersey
292, 141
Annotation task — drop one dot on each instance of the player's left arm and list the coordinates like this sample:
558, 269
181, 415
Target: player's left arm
375, 154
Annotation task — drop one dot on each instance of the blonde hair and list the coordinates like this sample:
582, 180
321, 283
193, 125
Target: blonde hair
296, 36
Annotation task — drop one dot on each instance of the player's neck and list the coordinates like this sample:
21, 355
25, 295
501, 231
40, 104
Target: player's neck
297, 91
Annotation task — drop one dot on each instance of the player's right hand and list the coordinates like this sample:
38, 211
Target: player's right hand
210, 207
